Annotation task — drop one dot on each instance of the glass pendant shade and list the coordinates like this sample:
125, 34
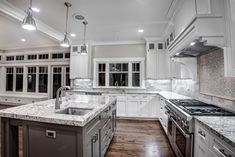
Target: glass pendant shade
65, 42
84, 50
29, 22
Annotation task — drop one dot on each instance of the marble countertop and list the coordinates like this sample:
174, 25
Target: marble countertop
223, 127
44, 111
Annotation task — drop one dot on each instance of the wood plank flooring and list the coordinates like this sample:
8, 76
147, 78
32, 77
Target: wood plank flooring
139, 139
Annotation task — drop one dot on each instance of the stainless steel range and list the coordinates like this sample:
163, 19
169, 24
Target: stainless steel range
181, 122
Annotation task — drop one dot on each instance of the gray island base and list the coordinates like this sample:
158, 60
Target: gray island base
43, 139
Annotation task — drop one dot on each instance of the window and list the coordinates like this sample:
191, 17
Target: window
67, 55
67, 79
31, 79
20, 57
19, 79
9, 78
32, 57
135, 74
10, 58
43, 56
0, 57
101, 74
160, 46
43, 79
57, 55
118, 74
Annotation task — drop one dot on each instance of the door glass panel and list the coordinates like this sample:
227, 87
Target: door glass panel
9, 78
31, 79
19, 79
57, 79
67, 79
43, 79
181, 142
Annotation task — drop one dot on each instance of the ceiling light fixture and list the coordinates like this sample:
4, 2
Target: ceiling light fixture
29, 22
84, 46
35, 9
73, 35
140, 30
23, 40
192, 43
65, 42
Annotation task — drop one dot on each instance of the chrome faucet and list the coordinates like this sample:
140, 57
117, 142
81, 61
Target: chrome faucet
58, 100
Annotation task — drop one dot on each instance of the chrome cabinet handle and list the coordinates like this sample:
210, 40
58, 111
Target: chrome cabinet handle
202, 133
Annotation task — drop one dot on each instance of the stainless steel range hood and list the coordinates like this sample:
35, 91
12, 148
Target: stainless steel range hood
195, 49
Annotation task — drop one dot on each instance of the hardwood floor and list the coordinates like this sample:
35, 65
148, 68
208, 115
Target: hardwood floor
139, 139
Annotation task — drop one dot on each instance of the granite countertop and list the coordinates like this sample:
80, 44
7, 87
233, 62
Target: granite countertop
165, 94
44, 111
223, 127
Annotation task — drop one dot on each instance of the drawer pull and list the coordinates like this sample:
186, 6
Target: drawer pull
51, 133
202, 134
222, 152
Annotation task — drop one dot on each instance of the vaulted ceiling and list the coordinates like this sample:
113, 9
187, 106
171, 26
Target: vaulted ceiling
109, 20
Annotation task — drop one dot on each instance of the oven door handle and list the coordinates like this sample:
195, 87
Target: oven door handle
181, 130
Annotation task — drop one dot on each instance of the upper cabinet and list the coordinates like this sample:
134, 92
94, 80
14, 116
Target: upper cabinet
229, 50
157, 61
80, 65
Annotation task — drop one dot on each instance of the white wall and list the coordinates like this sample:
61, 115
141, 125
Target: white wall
119, 51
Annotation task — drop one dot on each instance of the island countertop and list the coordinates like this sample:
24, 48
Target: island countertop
44, 111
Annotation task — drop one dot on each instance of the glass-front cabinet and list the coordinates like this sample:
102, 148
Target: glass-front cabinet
122, 74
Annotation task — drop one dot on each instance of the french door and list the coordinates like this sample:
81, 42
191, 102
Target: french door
60, 77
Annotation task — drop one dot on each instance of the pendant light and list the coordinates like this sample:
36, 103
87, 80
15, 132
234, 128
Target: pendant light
29, 22
84, 47
65, 42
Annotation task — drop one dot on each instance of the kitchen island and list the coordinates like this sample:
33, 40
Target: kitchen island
86, 131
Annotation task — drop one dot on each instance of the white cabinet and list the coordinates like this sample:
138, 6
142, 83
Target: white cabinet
162, 115
229, 55
157, 65
137, 105
80, 65
207, 144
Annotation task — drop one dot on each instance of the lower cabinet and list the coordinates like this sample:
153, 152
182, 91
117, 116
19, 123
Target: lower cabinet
162, 114
51, 140
137, 105
207, 144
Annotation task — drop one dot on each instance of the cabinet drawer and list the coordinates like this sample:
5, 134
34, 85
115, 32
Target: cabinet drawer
92, 125
220, 150
133, 97
202, 136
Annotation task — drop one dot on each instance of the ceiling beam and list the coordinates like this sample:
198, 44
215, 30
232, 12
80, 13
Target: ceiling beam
16, 13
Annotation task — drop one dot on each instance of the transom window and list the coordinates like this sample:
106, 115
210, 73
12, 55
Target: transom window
119, 73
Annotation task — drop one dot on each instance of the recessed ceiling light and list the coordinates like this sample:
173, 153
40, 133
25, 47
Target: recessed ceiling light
73, 35
23, 40
192, 43
35, 9
140, 30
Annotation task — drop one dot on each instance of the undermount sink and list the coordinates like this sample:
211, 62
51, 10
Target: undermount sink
75, 111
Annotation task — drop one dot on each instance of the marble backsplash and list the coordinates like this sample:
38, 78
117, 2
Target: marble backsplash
151, 85
211, 81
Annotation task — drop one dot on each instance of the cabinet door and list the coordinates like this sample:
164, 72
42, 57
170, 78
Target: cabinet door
121, 108
78, 65
151, 65
144, 109
154, 104
133, 108
43, 142
93, 146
